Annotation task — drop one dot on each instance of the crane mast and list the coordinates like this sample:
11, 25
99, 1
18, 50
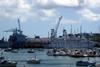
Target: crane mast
16, 30
19, 24
54, 35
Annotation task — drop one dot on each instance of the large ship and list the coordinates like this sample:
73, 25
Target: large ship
17, 39
69, 40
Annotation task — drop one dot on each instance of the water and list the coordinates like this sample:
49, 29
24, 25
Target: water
46, 61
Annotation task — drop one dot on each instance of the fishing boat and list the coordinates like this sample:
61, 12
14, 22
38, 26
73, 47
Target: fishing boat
33, 60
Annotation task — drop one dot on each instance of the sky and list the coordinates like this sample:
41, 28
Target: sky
38, 17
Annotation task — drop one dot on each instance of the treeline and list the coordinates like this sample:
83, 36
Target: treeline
95, 37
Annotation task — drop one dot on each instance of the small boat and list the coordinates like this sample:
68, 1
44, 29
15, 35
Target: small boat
60, 53
76, 54
56, 53
14, 51
30, 51
33, 61
85, 63
6, 63
8, 50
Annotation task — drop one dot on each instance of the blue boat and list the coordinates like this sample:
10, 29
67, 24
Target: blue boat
85, 63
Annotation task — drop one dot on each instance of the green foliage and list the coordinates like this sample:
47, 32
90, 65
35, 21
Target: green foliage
95, 38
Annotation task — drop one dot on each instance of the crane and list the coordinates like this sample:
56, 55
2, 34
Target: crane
54, 35
19, 26
15, 30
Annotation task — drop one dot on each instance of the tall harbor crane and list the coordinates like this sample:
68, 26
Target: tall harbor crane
20, 31
54, 31
17, 39
15, 30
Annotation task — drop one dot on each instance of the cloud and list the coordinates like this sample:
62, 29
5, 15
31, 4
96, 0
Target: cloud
46, 14
14, 8
89, 15
49, 4
45, 9
68, 21
90, 10
92, 3
66, 2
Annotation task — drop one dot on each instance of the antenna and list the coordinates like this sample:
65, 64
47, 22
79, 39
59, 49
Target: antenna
19, 24
81, 31
71, 30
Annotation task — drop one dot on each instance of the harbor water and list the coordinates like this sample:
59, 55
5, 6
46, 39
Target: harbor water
46, 61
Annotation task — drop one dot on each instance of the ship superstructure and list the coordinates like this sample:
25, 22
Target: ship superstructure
68, 40
17, 39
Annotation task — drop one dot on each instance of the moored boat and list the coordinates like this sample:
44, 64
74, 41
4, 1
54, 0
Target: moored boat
33, 61
30, 51
14, 51
6, 63
85, 63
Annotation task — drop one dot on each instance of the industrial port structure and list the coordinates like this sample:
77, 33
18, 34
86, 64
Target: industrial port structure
19, 40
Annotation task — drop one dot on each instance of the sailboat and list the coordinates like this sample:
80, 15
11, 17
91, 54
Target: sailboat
86, 63
33, 60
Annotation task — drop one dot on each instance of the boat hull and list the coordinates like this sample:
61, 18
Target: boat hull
85, 63
33, 62
8, 65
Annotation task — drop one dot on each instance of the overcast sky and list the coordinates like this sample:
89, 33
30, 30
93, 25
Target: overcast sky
37, 17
